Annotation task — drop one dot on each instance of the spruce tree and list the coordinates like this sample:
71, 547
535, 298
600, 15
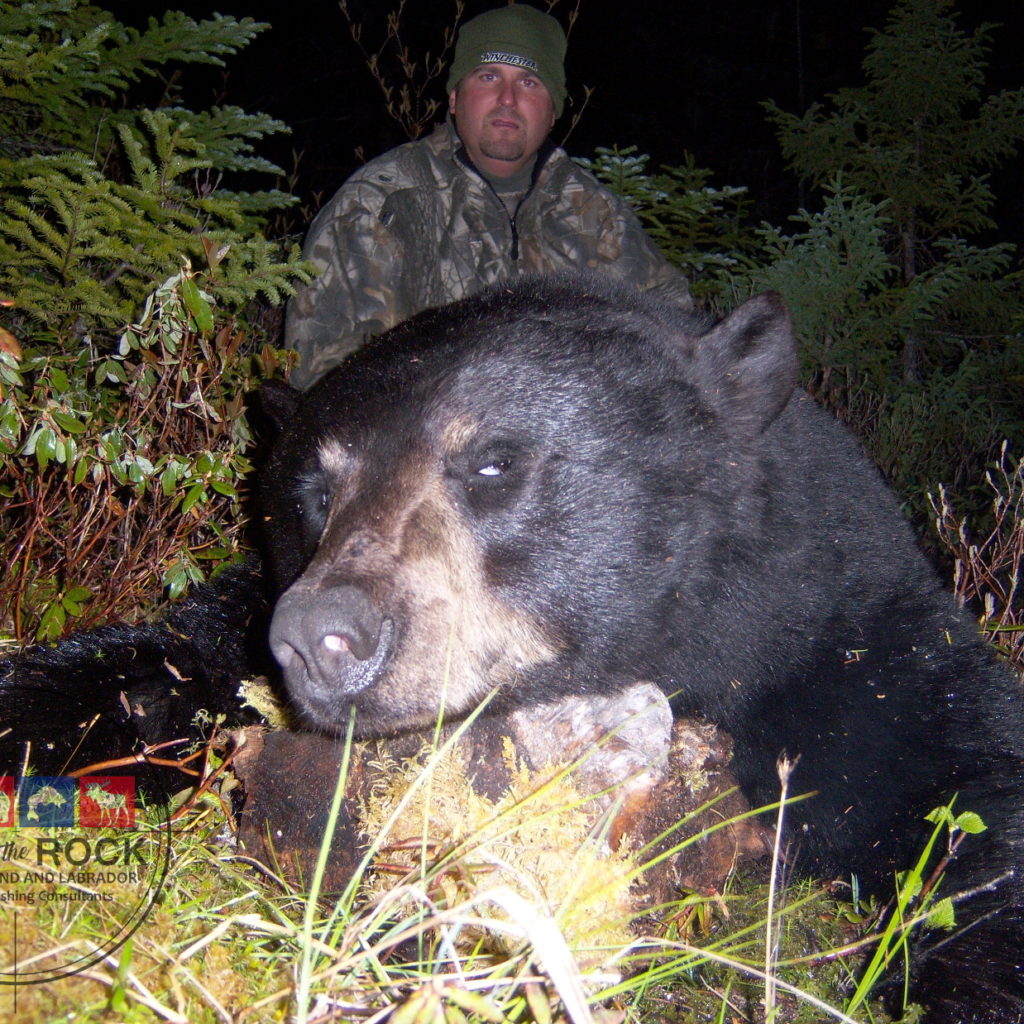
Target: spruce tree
919, 136
103, 198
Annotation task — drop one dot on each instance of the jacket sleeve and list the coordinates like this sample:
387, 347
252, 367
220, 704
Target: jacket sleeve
356, 293
642, 264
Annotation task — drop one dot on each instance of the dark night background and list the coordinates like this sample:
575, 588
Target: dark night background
668, 77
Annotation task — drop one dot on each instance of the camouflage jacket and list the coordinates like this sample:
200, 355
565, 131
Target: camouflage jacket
419, 227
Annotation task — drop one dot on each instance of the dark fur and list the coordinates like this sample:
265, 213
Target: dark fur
558, 488
107, 693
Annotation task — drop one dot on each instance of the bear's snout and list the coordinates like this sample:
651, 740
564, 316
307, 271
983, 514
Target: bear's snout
331, 643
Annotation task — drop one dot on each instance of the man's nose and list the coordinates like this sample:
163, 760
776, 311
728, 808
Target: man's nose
507, 96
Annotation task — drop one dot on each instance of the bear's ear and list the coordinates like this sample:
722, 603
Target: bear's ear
747, 363
278, 401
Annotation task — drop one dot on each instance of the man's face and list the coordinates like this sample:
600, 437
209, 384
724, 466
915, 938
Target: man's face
503, 114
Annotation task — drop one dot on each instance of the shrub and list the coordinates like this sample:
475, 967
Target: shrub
123, 448
910, 321
989, 564
123, 472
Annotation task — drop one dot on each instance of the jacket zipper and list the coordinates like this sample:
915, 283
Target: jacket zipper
542, 156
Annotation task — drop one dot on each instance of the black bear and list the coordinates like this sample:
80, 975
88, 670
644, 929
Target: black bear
556, 488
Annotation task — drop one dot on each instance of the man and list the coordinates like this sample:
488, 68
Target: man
484, 197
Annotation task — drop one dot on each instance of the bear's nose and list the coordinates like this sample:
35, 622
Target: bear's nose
327, 640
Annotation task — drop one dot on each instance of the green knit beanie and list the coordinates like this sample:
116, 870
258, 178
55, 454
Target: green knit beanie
518, 35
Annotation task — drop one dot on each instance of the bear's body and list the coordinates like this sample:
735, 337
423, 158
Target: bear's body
555, 488
550, 490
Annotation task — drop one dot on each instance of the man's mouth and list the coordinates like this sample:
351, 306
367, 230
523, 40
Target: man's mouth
505, 122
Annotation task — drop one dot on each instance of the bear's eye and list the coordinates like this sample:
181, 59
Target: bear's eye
494, 461
492, 475
495, 467
314, 504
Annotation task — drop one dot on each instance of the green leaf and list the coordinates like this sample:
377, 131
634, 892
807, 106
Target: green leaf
113, 445
215, 554
45, 447
910, 883
111, 370
169, 478
195, 494
970, 822
72, 424
9, 374
197, 305
940, 816
223, 487
175, 581
941, 915
31, 441
51, 625
179, 575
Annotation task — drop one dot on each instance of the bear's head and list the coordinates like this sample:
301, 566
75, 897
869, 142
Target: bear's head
500, 495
